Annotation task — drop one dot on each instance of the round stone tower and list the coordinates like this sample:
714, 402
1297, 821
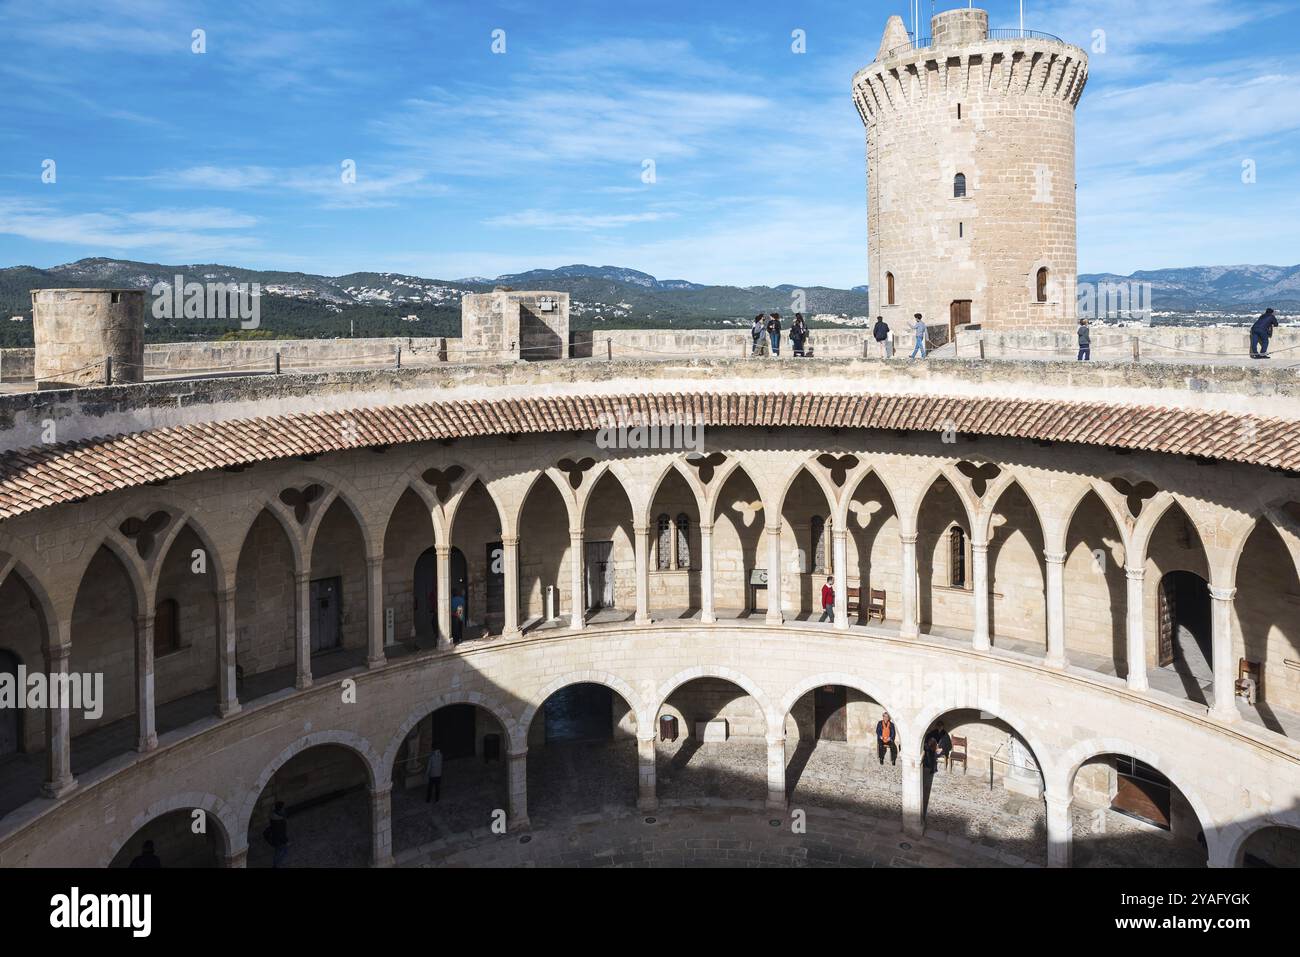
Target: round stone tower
970, 174
76, 329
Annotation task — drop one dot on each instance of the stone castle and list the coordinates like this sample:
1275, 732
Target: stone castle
1078, 580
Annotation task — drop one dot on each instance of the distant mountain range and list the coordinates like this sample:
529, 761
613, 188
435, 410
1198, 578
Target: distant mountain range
606, 296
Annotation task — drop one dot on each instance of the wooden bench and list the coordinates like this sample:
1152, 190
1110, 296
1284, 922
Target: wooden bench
853, 604
876, 605
959, 752
1249, 677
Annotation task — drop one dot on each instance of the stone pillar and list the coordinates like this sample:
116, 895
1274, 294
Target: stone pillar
913, 810
910, 627
1137, 640
1060, 830
840, 556
381, 826
1055, 609
708, 614
641, 541
1224, 707
577, 542
979, 553
58, 730
517, 773
238, 859
375, 606
303, 651
228, 687
776, 800
510, 570
443, 553
647, 791
145, 716
774, 574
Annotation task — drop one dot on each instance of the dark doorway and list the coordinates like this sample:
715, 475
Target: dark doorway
453, 730
1184, 626
600, 575
583, 712
11, 728
326, 613
958, 315
1141, 792
425, 595
830, 713
459, 576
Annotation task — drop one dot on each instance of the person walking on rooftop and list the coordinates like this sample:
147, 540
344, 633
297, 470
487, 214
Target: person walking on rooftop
919, 329
798, 335
1085, 341
1261, 332
774, 330
880, 332
756, 332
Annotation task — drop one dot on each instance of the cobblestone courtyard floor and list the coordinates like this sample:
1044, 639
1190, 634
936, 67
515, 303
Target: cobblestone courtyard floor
582, 809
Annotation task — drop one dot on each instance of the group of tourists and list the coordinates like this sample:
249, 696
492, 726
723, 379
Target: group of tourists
768, 328
1260, 332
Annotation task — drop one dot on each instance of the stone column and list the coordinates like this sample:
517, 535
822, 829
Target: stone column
1137, 640
647, 791
979, 553
1224, 707
910, 627
913, 809
228, 687
776, 800
145, 716
510, 568
238, 859
58, 729
774, 575
840, 556
381, 826
1060, 830
708, 614
375, 606
1055, 609
303, 651
443, 553
576, 544
517, 773
641, 541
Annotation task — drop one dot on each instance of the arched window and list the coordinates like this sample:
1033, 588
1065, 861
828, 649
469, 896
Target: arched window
663, 544
1041, 284
959, 186
166, 628
683, 541
957, 557
889, 288
817, 544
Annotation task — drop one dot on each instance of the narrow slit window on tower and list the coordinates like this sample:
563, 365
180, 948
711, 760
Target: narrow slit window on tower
1041, 284
959, 186
889, 288
959, 111
961, 230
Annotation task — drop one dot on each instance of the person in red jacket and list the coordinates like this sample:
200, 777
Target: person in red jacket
828, 601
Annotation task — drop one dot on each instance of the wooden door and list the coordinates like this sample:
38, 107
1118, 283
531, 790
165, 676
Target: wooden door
600, 575
1167, 614
830, 713
958, 315
1141, 792
326, 613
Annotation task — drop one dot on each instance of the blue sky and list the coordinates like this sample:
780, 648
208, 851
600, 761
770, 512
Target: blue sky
470, 162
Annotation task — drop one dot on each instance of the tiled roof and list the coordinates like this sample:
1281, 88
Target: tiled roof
48, 475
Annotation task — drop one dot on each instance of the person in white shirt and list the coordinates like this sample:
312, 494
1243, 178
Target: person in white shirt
433, 773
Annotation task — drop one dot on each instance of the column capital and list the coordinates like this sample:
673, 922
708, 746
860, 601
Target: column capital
383, 791
58, 652
1223, 594
1060, 802
144, 621
373, 560
442, 550
839, 531
640, 530
979, 548
517, 755
706, 528
775, 739
1054, 558
226, 595
1135, 574
908, 539
650, 738
577, 534
509, 541
302, 578
773, 529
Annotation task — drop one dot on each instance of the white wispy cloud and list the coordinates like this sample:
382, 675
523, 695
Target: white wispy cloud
181, 233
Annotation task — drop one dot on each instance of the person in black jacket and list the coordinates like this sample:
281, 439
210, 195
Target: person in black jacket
756, 331
941, 740
1261, 332
774, 331
880, 332
798, 334
277, 834
887, 739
